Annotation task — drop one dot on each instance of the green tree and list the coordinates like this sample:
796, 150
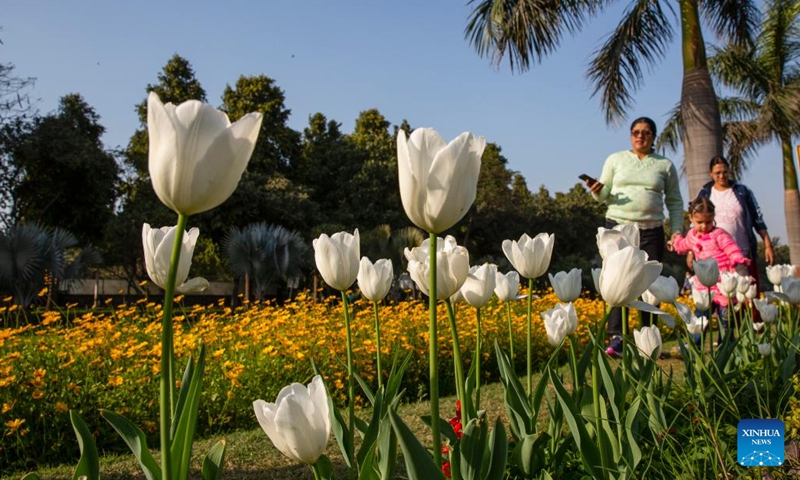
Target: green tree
66, 179
374, 196
525, 31
767, 79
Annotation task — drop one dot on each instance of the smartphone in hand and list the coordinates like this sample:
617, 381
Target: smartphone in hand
585, 178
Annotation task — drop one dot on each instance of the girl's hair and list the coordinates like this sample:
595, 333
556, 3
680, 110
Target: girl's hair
701, 205
718, 160
650, 123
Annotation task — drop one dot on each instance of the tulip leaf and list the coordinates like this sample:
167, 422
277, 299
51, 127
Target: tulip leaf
89, 463
396, 376
519, 409
590, 455
324, 468
528, 455
419, 464
473, 442
387, 451
495, 459
181, 447
444, 427
365, 388
371, 431
214, 461
136, 441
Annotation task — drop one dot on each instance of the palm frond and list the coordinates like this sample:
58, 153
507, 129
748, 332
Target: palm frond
670, 136
616, 70
733, 21
525, 31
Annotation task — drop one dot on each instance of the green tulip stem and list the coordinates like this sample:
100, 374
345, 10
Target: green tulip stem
529, 360
166, 402
710, 332
510, 333
433, 354
378, 344
598, 422
457, 362
573, 360
351, 389
478, 360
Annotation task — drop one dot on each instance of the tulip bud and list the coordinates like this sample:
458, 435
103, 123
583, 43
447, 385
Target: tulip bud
768, 311
530, 256
560, 321
648, 340
727, 284
790, 286
479, 286
337, 258
158, 244
507, 286
764, 349
452, 266
707, 271
567, 286
743, 283
665, 289
375, 280
702, 298
626, 274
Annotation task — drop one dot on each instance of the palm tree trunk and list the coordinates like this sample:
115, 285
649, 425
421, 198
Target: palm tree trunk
791, 201
702, 132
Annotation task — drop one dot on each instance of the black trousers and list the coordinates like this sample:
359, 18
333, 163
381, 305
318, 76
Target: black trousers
651, 240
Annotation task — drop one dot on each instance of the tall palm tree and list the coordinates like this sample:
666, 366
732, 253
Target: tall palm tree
526, 31
766, 78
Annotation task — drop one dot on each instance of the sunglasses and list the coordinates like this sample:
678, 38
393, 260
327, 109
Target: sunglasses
643, 133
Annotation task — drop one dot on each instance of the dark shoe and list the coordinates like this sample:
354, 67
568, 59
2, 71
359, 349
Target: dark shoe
615, 347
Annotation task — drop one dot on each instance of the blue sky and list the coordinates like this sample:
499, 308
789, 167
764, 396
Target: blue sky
409, 60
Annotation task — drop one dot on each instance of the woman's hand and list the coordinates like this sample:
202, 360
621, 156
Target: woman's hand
769, 255
690, 261
594, 187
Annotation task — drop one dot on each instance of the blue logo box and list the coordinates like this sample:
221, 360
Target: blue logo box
761, 443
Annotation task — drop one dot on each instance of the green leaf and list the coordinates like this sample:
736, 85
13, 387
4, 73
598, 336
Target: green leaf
324, 468
590, 455
387, 451
516, 400
89, 463
496, 457
419, 464
31, 476
181, 447
371, 432
529, 453
444, 427
473, 442
136, 441
365, 388
396, 377
214, 461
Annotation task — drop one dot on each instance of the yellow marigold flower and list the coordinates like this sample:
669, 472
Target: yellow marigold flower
14, 425
149, 426
115, 381
8, 299
42, 292
61, 407
7, 407
4, 382
37, 394
231, 395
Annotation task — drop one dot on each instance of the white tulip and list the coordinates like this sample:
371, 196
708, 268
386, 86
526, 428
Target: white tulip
696, 325
158, 244
648, 340
596, 278
790, 286
337, 258
752, 292
530, 256
479, 285
560, 321
743, 283
196, 155
567, 286
665, 289
375, 280
507, 286
758, 327
764, 349
727, 283
438, 181
768, 311
707, 271
648, 297
626, 275
702, 298
621, 235
452, 266
298, 423
776, 273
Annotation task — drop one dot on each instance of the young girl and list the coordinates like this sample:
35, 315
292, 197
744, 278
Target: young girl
705, 240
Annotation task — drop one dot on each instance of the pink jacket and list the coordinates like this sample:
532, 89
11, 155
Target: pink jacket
717, 244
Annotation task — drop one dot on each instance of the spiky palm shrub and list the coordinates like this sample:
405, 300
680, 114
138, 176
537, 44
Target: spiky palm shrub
264, 254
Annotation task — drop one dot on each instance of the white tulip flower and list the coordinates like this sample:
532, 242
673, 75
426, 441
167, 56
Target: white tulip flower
596, 278
452, 266
696, 325
298, 423
707, 271
776, 273
337, 258
196, 155
752, 292
479, 285
702, 298
375, 280
438, 181
507, 286
648, 340
728, 281
768, 311
621, 235
567, 286
764, 349
790, 286
530, 256
626, 274
560, 321
158, 244
665, 289
648, 297
743, 283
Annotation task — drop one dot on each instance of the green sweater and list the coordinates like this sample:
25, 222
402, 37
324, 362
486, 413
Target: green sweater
637, 190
